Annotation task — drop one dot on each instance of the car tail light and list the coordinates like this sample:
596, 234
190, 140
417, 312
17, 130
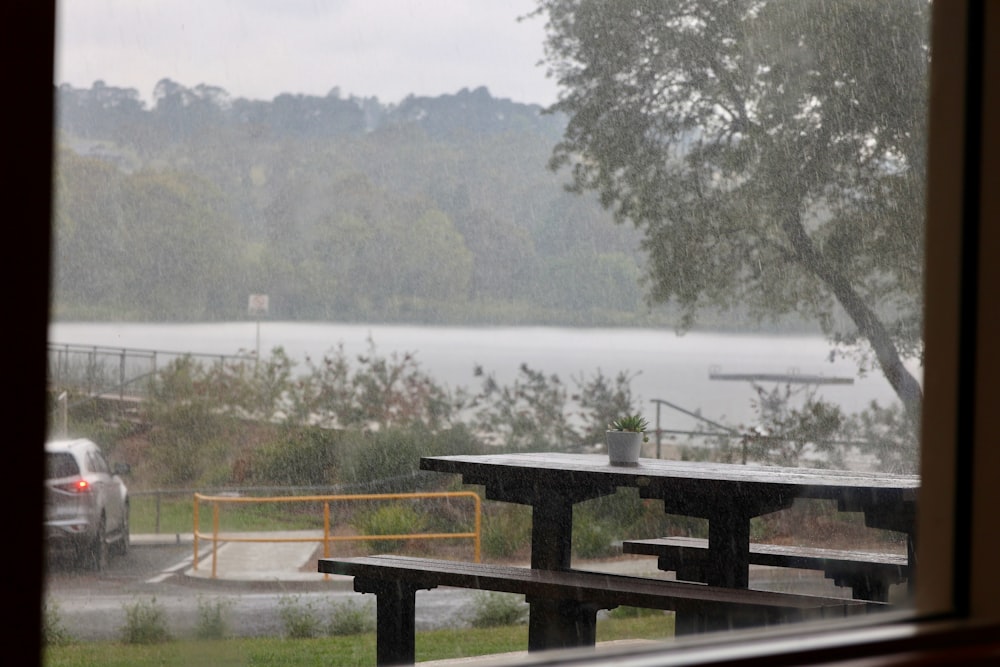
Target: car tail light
79, 486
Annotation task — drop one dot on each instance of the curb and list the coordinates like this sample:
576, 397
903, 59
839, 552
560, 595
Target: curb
264, 583
160, 539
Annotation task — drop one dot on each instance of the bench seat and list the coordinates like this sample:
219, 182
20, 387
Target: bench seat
868, 574
577, 594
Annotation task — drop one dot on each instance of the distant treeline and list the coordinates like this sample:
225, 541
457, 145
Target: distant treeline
433, 210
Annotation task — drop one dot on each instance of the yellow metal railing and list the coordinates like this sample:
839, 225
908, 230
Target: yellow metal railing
217, 536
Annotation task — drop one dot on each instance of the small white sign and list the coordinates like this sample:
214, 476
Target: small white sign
257, 304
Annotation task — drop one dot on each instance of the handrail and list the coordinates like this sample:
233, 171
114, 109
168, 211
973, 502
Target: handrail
216, 535
94, 357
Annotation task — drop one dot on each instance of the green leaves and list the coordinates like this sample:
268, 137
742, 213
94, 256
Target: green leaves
634, 423
771, 152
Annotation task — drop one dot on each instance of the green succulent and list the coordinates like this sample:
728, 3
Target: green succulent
635, 423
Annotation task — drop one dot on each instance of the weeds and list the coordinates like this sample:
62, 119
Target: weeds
145, 623
506, 530
53, 631
633, 612
593, 539
299, 618
212, 619
351, 618
491, 610
390, 520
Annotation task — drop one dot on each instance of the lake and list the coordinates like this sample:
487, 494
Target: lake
666, 366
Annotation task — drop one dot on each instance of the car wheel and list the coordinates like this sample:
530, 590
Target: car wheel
121, 546
99, 548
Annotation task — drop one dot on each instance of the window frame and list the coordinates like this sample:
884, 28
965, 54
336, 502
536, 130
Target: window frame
959, 606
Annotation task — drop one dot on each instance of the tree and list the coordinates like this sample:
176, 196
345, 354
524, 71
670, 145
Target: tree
527, 415
179, 255
90, 230
771, 152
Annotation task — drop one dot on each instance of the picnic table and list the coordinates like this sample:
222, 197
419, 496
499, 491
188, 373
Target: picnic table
727, 495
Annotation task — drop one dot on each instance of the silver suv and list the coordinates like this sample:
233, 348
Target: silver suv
86, 503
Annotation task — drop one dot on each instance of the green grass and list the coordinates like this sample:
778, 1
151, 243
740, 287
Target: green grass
176, 515
341, 651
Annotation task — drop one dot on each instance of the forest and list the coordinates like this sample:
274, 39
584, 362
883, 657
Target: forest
433, 210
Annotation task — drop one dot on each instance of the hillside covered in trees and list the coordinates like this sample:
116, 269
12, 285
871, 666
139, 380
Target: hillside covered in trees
432, 210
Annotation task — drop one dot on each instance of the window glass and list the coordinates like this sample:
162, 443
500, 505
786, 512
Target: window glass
61, 465
298, 246
97, 462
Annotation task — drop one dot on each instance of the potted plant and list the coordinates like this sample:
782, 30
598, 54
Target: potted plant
625, 437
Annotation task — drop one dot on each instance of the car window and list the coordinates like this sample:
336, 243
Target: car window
61, 464
98, 463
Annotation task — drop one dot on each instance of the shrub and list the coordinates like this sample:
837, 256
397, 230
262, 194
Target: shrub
299, 618
492, 609
211, 619
187, 440
53, 631
633, 612
597, 524
390, 520
300, 456
592, 539
387, 460
351, 618
506, 531
145, 623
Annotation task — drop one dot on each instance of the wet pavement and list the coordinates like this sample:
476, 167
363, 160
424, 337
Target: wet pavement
290, 558
252, 578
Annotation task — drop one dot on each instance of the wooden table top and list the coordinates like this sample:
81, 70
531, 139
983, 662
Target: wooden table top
561, 468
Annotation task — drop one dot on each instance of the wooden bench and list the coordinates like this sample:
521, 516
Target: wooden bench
868, 574
577, 594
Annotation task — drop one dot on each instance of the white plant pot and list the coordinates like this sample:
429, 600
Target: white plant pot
624, 447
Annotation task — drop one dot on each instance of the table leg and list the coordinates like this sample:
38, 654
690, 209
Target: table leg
911, 558
896, 516
395, 622
868, 588
551, 532
729, 550
728, 565
551, 623
561, 624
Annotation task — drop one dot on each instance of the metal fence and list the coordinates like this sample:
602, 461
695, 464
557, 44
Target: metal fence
94, 372
216, 535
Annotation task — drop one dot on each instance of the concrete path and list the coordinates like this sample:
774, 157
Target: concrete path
285, 556
291, 556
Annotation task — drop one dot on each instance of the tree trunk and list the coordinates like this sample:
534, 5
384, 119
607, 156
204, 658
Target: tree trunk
869, 325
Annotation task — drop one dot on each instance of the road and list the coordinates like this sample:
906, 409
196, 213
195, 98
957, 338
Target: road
91, 606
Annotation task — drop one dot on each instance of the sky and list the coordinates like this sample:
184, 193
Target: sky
257, 49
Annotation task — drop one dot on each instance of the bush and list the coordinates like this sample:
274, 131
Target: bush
53, 631
188, 439
592, 539
506, 531
390, 520
145, 623
299, 618
634, 612
388, 460
385, 461
211, 619
492, 609
350, 618
300, 456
